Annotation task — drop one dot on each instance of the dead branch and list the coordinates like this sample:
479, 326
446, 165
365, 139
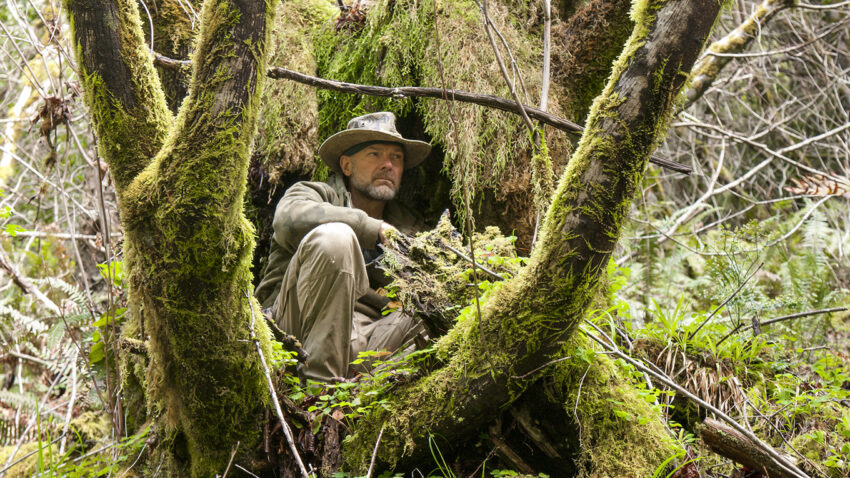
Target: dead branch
797, 316
286, 430
490, 101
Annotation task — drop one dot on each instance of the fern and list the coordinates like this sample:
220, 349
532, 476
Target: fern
21, 320
73, 292
24, 401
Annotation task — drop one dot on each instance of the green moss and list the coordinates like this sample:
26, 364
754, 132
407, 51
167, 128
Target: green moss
287, 140
614, 416
128, 139
522, 323
188, 245
27, 467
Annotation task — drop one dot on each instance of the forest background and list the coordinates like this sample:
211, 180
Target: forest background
758, 231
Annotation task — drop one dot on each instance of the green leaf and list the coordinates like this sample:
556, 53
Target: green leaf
97, 353
14, 229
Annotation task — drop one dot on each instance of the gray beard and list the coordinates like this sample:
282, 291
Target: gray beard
377, 193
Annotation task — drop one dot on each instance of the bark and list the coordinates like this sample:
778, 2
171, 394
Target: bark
709, 66
524, 324
585, 46
188, 246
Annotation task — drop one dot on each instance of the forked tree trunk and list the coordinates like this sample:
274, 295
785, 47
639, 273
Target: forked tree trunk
187, 246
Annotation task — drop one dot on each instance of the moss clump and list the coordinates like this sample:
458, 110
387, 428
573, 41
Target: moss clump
614, 415
431, 280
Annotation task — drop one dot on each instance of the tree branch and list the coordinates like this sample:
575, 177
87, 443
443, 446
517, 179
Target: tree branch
122, 89
709, 66
489, 101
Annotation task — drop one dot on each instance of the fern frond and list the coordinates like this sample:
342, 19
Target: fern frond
21, 320
24, 401
73, 292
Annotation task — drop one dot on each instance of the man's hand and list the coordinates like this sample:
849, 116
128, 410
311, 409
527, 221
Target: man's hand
387, 231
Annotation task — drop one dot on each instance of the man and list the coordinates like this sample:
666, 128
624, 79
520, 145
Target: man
325, 234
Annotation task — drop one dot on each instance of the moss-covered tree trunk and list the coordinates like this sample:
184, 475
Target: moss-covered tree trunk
524, 325
187, 246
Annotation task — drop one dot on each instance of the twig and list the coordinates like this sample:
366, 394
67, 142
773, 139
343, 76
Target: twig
375, 453
463, 256
728, 299
229, 463
780, 460
246, 471
25, 285
10, 465
797, 316
286, 430
488, 26
547, 42
466, 196
30, 358
70, 411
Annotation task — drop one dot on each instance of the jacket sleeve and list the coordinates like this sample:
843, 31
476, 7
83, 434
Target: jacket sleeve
309, 204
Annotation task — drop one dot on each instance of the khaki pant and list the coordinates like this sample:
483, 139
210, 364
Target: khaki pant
325, 277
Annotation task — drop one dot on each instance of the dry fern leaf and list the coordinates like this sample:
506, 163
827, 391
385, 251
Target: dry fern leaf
820, 185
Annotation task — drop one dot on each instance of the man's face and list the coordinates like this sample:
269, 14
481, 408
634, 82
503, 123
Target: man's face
375, 171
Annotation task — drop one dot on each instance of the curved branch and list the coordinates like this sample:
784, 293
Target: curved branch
490, 101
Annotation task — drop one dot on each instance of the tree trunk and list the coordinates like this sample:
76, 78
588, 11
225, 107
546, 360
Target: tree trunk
187, 246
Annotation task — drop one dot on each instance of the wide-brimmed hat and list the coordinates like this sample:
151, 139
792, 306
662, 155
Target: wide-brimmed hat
372, 127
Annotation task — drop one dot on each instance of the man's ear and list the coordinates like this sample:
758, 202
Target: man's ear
345, 165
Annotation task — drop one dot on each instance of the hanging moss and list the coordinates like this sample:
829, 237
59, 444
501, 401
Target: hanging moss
397, 46
287, 139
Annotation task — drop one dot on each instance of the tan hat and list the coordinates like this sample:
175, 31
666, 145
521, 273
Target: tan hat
372, 127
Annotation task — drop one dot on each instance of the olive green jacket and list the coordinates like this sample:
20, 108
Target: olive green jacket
309, 204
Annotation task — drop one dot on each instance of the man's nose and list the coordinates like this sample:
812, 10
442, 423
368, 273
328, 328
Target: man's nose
386, 161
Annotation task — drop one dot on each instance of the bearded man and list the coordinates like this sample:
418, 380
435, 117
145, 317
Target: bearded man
325, 234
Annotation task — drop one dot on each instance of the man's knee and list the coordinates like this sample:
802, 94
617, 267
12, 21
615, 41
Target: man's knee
334, 242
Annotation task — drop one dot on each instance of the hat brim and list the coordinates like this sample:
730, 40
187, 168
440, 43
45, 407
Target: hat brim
414, 151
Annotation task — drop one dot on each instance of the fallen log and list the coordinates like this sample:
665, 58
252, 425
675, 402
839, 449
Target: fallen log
729, 443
